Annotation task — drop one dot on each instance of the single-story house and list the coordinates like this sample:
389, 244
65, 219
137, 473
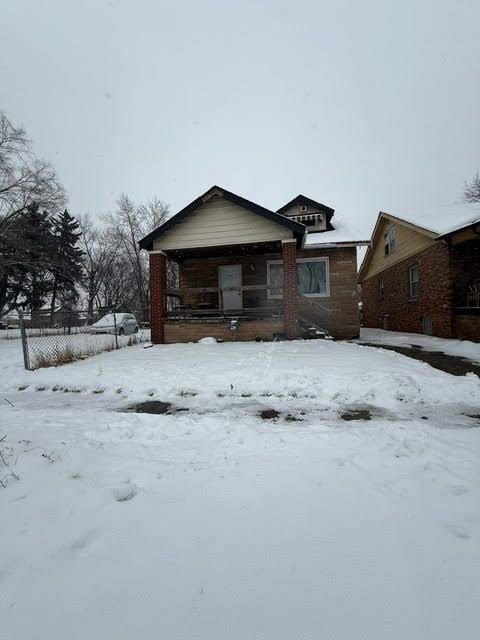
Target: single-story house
245, 272
422, 274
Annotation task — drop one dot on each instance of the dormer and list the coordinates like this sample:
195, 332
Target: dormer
314, 215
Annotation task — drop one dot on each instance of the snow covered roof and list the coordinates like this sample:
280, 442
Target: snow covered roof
442, 219
342, 233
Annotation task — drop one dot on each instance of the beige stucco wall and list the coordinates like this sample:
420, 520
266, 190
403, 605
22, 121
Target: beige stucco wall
217, 223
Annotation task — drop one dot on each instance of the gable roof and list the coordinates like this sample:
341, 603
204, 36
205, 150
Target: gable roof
383, 215
442, 219
301, 199
297, 228
433, 222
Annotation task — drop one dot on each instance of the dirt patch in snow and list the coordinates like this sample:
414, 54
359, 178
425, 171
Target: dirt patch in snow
356, 414
156, 407
273, 414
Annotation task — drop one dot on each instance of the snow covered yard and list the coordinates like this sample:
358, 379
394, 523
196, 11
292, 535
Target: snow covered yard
211, 522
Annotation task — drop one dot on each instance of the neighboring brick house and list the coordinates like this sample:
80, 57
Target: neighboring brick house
424, 279
247, 273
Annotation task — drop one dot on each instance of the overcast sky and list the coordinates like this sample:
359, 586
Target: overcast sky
361, 105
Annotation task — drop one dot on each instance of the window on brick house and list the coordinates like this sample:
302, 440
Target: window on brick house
313, 280
413, 281
389, 241
380, 288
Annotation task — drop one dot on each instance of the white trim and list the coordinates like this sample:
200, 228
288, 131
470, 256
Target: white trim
160, 251
307, 295
289, 240
327, 245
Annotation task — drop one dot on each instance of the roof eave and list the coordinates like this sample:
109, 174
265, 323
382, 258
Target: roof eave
452, 232
297, 228
346, 243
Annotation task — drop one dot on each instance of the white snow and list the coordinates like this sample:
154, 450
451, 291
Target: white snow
344, 232
462, 348
441, 219
213, 523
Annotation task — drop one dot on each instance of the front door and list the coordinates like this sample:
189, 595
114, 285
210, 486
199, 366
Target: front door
230, 283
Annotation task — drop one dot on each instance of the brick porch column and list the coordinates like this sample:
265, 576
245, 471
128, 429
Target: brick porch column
290, 301
158, 285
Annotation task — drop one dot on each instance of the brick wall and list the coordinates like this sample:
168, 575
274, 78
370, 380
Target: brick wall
290, 302
158, 283
203, 272
467, 327
342, 304
404, 314
248, 330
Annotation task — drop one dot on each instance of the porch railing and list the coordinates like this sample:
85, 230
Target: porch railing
467, 297
213, 301
314, 313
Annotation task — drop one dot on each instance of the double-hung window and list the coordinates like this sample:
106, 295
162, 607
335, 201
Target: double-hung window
413, 281
312, 278
389, 241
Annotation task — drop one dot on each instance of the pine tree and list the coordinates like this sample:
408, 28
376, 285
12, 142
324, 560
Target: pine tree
67, 265
35, 246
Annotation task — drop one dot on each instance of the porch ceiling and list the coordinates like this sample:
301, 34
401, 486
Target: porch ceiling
231, 250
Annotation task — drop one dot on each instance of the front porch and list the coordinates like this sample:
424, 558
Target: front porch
225, 292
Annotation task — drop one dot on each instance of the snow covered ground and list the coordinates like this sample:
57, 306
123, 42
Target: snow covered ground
213, 523
462, 348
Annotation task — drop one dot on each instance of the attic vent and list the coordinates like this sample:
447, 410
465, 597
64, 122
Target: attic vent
303, 207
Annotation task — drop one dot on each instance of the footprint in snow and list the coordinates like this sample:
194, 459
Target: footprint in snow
83, 542
124, 494
457, 489
459, 531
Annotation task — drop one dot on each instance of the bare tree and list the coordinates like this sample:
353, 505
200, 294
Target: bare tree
24, 179
471, 191
126, 226
99, 254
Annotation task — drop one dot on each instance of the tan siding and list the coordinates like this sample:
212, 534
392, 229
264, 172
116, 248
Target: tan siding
408, 242
218, 223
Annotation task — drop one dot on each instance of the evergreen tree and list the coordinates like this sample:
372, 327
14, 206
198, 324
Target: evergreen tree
34, 249
67, 261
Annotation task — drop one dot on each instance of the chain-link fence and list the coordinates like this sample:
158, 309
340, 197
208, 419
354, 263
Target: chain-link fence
63, 336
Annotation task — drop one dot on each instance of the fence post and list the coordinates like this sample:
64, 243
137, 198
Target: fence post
115, 329
23, 333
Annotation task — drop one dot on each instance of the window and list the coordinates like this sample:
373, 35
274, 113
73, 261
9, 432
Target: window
427, 325
380, 288
389, 239
275, 279
413, 281
312, 277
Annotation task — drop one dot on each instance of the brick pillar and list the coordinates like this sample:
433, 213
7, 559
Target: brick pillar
290, 301
158, 285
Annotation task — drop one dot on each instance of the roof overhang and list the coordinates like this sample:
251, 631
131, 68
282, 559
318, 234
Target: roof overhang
327, 245
474, 226
297, 228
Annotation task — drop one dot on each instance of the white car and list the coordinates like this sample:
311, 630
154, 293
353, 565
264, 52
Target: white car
126, 324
